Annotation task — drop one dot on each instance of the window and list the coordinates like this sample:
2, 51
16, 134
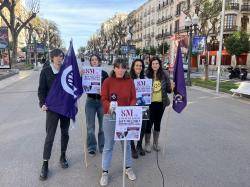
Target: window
230, 21
176, 26
178, 9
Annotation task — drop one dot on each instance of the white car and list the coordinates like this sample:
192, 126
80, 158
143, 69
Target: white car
185, 66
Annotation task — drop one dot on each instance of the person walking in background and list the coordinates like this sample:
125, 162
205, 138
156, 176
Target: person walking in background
94, 107
47, 77
117, 90
161, 86
137, 72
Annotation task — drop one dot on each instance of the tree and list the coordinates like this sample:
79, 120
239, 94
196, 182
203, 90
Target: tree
131, 21
238, 43
138, 51
14, 25
208, 12
152, 50
48, 31
163, 48
81, 51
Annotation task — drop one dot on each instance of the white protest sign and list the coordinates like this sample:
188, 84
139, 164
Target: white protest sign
91, 80
143, 89
128, 123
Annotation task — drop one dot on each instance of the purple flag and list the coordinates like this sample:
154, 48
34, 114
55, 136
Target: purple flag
180, 95
66, 88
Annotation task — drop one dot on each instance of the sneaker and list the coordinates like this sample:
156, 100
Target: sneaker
129, 172
104, 179
92, 153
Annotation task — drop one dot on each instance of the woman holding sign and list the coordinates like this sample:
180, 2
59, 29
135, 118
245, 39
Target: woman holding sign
161, 86
117, 90
137, 72
94, 107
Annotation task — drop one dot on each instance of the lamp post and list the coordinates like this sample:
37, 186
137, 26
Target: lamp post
190, 25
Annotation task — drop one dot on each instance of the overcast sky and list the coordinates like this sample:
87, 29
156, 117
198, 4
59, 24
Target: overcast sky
79, 19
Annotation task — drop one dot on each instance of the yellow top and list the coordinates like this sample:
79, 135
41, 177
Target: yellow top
157, 93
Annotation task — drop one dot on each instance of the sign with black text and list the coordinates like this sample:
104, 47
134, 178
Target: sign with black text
91, 80
128, 123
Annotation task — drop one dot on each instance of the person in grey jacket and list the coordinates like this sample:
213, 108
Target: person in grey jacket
160, 88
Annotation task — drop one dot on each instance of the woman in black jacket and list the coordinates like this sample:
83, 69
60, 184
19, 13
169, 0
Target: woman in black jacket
161, 88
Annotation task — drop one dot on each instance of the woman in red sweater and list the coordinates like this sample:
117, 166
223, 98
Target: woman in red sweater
117, 90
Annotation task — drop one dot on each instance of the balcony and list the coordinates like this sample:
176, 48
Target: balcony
158, 37
245, 8
166, 34
232, 6
152, 34
180, 30
230, 28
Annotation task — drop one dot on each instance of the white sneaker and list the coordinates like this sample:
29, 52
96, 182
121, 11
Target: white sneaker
129, 172
104, 179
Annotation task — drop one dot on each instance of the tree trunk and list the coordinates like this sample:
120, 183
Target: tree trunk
14, 49
206, 65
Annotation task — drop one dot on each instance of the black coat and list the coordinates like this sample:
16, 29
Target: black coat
46, 80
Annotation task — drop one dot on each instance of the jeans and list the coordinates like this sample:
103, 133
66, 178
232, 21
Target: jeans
93, 107
109, 133
52, 119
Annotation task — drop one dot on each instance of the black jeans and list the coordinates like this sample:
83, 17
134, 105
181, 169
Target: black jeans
156, 111
52, 119
143, 127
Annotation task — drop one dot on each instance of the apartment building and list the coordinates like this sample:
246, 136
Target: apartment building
161, 21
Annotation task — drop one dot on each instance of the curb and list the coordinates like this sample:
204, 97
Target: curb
11, 73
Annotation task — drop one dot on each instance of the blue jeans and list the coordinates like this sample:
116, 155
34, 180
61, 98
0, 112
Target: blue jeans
109, 133
93, 107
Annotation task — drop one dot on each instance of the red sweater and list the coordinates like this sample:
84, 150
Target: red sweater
124, 90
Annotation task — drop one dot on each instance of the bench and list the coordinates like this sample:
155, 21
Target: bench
244, 89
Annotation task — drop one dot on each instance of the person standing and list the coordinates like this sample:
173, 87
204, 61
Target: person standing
137, 72
47, 77
117, 90
161, 88
94, 107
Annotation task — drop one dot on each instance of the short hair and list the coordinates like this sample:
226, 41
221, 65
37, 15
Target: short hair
56, 52
120, 62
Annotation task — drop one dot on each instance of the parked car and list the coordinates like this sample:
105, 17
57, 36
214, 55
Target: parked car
185, 66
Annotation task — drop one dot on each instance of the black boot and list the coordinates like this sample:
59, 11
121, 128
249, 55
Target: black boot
63, 161
134, 151
44, 171
140, 150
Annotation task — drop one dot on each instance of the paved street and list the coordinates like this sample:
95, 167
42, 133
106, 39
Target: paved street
206, 146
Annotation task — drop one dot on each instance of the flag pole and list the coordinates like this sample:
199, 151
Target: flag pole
220, 47
167, 121
83, 135
124, 163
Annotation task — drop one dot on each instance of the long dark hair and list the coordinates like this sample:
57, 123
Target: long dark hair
98, 58
150, 72
132, 70
120, 62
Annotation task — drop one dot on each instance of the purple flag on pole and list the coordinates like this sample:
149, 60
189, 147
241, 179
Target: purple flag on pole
66, 88
180, 95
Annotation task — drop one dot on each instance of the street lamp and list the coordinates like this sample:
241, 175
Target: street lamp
190, 25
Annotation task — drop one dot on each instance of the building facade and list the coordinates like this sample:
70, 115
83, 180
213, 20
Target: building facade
160, 21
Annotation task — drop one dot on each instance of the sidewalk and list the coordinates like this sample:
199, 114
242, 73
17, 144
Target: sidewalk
10, 79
